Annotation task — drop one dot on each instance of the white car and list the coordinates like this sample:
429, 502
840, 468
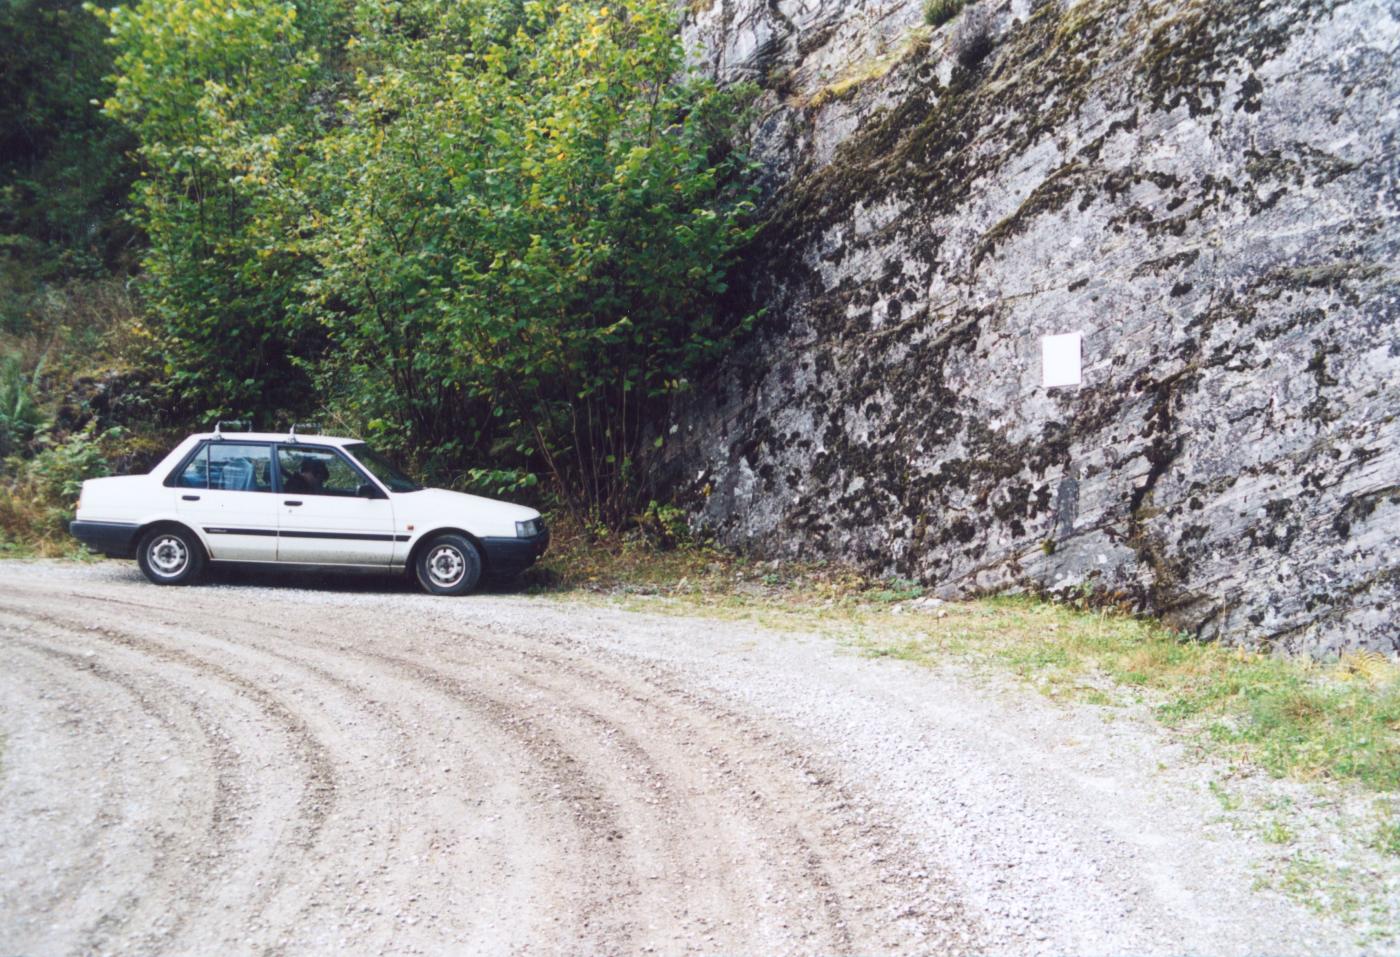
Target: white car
306, 500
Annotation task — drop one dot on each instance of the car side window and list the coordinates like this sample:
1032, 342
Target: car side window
196, 473
318, 471
234, 467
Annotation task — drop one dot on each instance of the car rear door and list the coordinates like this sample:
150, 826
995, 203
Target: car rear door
347, 520
225, 492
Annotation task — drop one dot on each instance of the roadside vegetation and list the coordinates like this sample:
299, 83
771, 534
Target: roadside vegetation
472, 232
66, 253
491, 236
939, 12
1290, 717
1329, 731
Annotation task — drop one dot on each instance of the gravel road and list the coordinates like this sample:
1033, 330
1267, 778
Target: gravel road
261, 767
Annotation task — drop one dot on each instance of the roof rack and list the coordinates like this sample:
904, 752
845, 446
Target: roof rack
311, 427
231, 425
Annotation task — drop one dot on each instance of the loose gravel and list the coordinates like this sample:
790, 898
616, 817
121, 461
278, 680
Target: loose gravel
270, 765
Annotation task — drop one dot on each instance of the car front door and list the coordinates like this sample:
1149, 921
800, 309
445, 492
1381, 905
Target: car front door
330, 513
225, 491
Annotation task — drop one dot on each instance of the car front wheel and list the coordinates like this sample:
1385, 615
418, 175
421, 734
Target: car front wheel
448, 565
170, 556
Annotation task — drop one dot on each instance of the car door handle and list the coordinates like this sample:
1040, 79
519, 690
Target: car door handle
190, 498
291, 503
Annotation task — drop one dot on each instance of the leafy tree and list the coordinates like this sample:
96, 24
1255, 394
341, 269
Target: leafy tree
491, 231
521, 237
63, 169
217, 93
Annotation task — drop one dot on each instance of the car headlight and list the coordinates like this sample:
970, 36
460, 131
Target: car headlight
528, 529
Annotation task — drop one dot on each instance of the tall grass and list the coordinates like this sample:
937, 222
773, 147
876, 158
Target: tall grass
939, 12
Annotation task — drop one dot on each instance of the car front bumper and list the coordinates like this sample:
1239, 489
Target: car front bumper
113, 539
507, 557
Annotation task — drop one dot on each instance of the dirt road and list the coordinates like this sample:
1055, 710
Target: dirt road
260, 767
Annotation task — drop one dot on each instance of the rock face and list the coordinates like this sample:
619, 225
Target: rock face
1205, 189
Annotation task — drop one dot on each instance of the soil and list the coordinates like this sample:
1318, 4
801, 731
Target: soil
277, 765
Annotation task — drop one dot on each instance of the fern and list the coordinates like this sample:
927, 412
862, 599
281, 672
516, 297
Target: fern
20, 418
1370, 666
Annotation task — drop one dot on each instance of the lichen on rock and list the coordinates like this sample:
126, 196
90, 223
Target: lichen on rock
1206, 189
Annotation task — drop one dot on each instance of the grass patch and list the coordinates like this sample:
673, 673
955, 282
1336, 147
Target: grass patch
1277, 831
939, 12
1229, 803
1293, 718
1386, 837
1323, 888
866, 71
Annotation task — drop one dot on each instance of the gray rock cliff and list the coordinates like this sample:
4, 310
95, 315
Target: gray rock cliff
1207, 191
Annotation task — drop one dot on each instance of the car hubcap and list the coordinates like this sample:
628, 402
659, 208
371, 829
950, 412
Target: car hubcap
446, 566
168, 556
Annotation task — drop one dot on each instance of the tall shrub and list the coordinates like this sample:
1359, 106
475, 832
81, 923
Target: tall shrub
492, 232
217, 93
521, 242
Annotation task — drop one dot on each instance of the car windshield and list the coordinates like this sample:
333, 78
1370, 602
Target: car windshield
383, 469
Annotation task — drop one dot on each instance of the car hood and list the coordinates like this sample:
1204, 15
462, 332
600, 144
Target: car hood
440, 504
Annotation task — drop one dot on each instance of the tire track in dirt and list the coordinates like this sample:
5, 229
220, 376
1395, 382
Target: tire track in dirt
476, 780
319, 793
236, 739
562, 769
757, 800
869, 846
97, 792
329, 887
749, 798
867, 853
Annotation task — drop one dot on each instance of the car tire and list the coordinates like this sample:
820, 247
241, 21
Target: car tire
170, 556
448, 564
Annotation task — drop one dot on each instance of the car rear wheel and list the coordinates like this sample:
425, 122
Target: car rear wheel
448, 565
170, 556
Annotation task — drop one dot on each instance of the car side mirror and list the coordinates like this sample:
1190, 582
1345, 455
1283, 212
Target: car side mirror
368, 491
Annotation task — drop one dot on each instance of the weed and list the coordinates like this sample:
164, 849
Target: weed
665, 526
1277, 832
20, 418
939, 12
1386, 838
896, 590
1333, 891
1228, 802
38, 499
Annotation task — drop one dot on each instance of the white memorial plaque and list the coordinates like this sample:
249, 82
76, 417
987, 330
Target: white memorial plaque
1060, 359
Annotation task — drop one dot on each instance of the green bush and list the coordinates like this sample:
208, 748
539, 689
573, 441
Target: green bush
665, 526
39, 497
939, 12
490, 233
20, 418
217, 97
